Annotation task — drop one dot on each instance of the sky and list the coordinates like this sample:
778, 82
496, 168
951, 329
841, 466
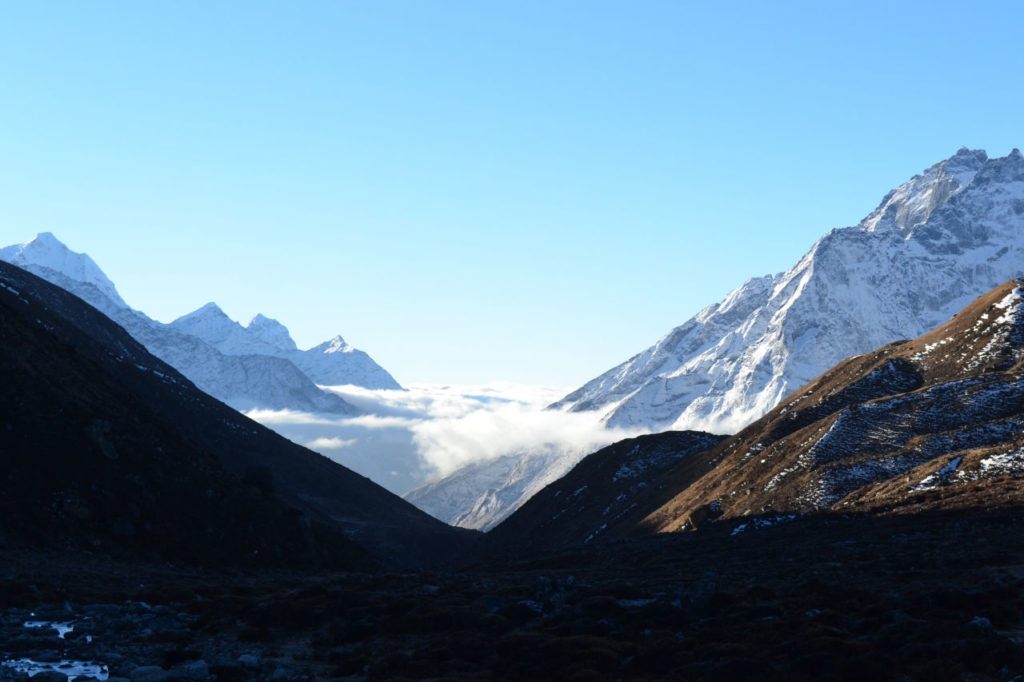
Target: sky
473, 191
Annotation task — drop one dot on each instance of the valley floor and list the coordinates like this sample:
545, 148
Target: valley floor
935, 596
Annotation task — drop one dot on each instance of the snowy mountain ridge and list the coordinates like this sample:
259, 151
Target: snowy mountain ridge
47, 252
331, 363
212, 325
930, 247
246, 367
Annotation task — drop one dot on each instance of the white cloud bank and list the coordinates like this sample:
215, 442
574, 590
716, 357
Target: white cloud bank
410, 437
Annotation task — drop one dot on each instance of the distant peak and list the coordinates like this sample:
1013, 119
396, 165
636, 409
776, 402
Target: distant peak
48, 242
271, 332
260, 319
211, 307
334, 345
47, 238
209, 311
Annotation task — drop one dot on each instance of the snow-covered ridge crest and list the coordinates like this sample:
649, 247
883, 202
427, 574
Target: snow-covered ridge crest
45, 251
331, 363
263, 335
930, 247
913, 202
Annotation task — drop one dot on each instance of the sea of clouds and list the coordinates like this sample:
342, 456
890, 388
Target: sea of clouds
406, 438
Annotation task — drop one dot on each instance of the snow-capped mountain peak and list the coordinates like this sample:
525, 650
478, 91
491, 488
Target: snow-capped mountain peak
271, 332
912, 203
932, 245
332, 363
335, 345
208, 313
210, 309
45, 253
212, 325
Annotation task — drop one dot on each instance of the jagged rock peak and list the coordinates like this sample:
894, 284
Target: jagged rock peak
1007, 169
912, 203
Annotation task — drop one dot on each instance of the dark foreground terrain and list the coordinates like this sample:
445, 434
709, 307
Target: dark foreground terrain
922, 597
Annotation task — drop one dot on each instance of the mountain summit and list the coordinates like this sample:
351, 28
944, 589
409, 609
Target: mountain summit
932, 245
50, 258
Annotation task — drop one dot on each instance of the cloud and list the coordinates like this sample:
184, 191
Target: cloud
331, 443
275, 417
429, 431
372, 421
449, 443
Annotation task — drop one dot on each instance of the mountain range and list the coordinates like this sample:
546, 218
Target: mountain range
255, 366
931, 246
866, 526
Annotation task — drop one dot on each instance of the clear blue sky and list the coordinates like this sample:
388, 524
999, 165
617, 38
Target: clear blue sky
476, 191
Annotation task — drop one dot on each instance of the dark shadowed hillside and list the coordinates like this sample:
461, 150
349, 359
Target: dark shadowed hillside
606, 495
108, 448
